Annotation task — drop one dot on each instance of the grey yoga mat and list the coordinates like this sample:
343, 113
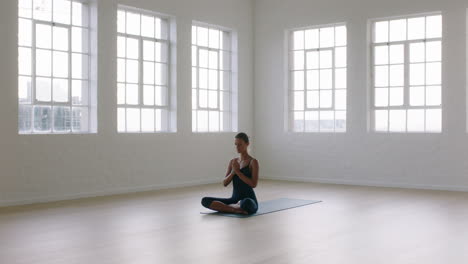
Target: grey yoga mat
270, 207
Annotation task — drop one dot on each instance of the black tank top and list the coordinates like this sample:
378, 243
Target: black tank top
241, 189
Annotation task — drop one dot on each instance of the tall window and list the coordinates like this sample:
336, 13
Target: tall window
406, 71
317, 74
53, 67
143, 91
211, 80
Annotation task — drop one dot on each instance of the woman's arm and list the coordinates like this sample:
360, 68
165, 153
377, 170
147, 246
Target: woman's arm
229, 175
251, 182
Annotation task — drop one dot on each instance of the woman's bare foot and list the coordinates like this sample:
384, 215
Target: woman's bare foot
225, 208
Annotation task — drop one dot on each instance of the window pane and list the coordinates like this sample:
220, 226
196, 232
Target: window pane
213, 60
80, 92
433, 51
60, 91
398, 30
340, 78
326, 79
381, 76
203, 78
214, 38
326, 60
416, 120
214, 121
121, 21
161, 52
24, 118
62, 11
417, 96
42, 10
416, 27
340, 57
60, 41
161, 96
312, 99
133, 23
24, 89
327, 37
79, 14
340, 36
417, 73
298, 60
79, 66
132, 94
213, 80
133, 120
326, 99
80, 119
312, 39
397, 120
340, 99
397, 75
433, 95
43, 36
381, 97
298, 40
327, 121
24, 32
298, 125
312, 80
381, 32
60, 64
62, 119
433, 73
24, 61
203, 97
121, 47
381, 120
161, 74
25, 8
397, 54
43, 89
147, 26
340, 121
434, 26
148, 50
298, 83
79, 40
381, 55
42, 118
396, 96
148, 72
434, 120
132, 48
312, 59
43, 62
132, 71
417, 52
298, 100
147, 120
212, 99
202, 36
311, 121
120, 93
148, 95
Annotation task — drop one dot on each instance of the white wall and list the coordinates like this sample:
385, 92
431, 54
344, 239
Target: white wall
358, 156
37, 168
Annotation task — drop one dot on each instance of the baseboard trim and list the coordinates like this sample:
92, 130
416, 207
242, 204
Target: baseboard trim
371, 183
46, 199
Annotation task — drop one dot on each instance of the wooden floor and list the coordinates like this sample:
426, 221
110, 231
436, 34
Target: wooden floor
352, 225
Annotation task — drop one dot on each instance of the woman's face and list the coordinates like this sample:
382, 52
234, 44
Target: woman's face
241, 146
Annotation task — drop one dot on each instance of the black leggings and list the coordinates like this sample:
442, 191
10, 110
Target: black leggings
248, 204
